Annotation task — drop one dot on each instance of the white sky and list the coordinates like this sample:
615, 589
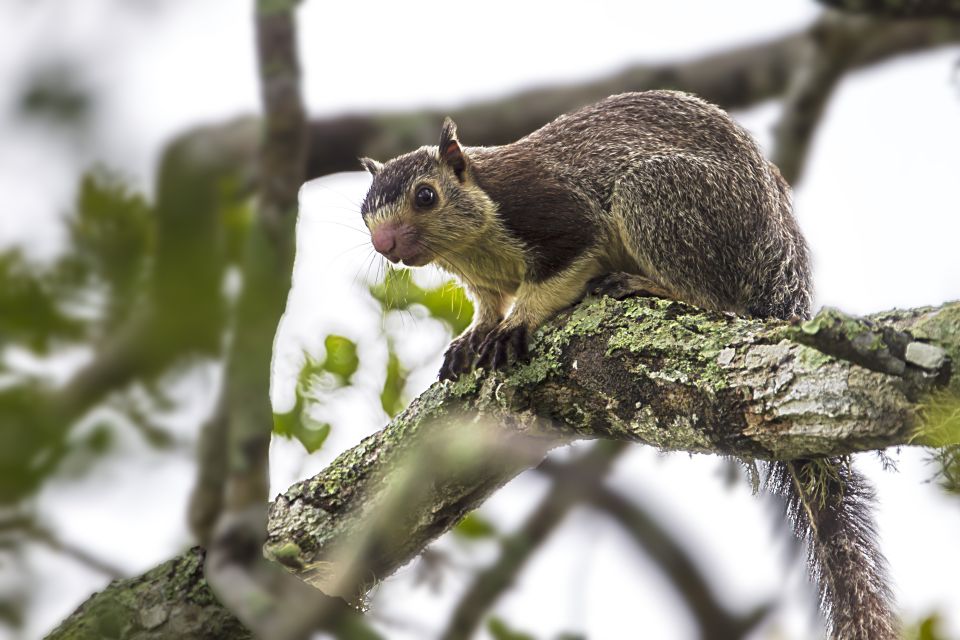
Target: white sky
879, 207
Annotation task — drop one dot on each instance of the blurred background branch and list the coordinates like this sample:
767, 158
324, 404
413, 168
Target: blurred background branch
898, 8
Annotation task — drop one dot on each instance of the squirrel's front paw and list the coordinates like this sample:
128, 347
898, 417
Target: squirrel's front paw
457, 359
461, 353
503, 346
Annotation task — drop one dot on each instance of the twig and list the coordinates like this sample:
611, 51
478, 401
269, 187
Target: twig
673, 560
32, 531
567, 491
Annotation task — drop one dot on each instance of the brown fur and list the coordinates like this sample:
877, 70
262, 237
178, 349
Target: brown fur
668, 194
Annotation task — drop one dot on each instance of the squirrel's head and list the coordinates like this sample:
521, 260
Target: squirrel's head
425, 204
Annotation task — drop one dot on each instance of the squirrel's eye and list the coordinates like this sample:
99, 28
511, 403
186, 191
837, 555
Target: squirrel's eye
425, 197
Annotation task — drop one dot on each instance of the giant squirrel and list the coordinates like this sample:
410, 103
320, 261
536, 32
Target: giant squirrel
658, 193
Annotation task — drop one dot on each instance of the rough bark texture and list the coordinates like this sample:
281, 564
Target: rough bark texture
169, 601
645, 370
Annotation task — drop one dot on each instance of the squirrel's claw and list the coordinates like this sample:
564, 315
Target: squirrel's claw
461, 353
457, 359
502, 347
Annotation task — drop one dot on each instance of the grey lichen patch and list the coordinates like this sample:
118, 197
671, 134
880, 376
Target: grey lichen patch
809, 406
676, 342
681, 433
466, 385
538, 369
726, 356
926, 356
588, 318
942, 327
152, 617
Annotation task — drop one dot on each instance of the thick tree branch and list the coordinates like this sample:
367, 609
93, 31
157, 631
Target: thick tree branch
645, 370
899, 8
832, 46
737, 78
652, 371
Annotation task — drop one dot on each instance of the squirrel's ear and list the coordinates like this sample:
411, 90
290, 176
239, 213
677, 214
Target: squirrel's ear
450, 151
371, 165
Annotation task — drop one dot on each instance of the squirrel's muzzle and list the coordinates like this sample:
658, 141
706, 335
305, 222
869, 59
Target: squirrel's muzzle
398, 242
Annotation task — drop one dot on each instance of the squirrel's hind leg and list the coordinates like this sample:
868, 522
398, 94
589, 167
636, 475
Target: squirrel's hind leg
620, 285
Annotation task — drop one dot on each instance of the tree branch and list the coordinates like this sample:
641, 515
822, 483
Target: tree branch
582, 482
568, 490
833, 44
645, 370
734, 79
898, 8
677, 565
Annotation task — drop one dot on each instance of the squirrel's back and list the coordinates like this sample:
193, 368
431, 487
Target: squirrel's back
676, 190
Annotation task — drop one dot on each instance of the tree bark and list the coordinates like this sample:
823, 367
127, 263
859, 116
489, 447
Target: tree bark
646, 370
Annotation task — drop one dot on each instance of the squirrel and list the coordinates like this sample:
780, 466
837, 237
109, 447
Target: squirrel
653, 193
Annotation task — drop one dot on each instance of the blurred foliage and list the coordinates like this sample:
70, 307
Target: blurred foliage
398, 292
32, 315
29, 447
95, 284
473, 526
500, 631
334, 371
940, 429
391, 397
929, 628
55, 94
342, 360
112, 240
447, 303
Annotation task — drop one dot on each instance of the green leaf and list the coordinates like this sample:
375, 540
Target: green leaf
30, 311
397, 291
474, 527
312, 438
100, 439
500, 631
112, 236
929, 628
450, 304
447, 302
298, 425
342, 360
391, 397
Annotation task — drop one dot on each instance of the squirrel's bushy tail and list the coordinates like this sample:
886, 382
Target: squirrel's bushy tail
829, 505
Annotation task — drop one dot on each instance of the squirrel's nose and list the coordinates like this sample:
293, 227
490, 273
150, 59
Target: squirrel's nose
385, 238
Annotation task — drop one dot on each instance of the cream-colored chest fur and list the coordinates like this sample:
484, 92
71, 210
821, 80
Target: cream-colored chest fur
495, 261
